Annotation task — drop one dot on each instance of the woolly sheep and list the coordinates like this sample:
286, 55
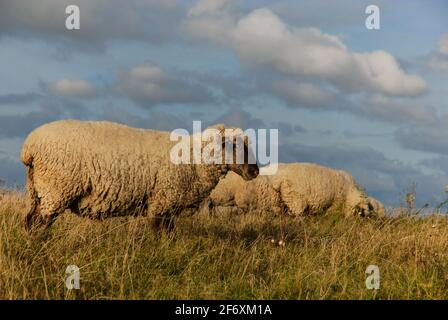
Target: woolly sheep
297, 189
104, 169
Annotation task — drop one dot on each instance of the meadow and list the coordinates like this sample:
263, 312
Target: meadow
224, 256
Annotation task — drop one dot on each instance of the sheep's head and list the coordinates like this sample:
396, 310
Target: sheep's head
364, 206
375, 207
237, 154
357, 203
246, 170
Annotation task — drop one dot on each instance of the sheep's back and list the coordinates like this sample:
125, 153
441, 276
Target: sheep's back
109, 165
316, 186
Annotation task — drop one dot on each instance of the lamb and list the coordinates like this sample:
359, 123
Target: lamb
104, 169
297, 189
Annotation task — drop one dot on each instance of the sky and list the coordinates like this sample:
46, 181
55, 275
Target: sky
372, 102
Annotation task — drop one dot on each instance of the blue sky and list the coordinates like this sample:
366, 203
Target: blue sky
372, 102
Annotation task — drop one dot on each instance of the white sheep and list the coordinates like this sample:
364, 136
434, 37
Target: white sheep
104, 169
297, 189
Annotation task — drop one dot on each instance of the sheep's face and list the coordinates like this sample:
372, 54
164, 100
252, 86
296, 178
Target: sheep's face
361, 209
247, 169
375, 207
357, 203
369, 207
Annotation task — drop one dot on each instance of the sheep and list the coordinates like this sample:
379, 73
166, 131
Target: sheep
297, 189
103, 169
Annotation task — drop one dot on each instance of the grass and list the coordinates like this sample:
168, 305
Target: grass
224, 257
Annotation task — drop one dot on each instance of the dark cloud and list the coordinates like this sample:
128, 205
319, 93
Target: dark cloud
238, 117
288, 129
440, 163
344, 13
149, 85
12, 172
285, 128
299, 129
158, 120
19, 125
50, 109
398, 110
19, 99
304, 94
101, 21
429, 138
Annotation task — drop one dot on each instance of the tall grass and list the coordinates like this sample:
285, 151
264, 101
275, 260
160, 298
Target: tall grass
223, 256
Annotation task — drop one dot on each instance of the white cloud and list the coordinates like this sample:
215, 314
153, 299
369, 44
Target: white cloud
72, 88
261, 38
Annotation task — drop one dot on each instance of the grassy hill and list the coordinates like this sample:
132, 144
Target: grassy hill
224, 256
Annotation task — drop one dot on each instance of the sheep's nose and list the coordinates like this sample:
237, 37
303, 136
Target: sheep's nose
255, 172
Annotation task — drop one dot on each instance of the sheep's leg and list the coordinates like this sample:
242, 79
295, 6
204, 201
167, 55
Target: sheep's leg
162, 216
162, 223
51, 206
33, 216
298, 208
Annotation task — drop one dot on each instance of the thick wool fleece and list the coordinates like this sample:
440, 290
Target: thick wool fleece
103, 169
297, 189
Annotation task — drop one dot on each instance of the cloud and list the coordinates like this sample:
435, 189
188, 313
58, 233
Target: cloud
19, 98
403, 111
428, 139
12, 172
19, 125
328, 14
149, 85
438, 59
305, 52
156, 120
303, 94
440, 163
238, 117
72, 88
50, 109
139, 20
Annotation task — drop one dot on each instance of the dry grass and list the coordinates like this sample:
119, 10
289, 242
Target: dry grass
223, 257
